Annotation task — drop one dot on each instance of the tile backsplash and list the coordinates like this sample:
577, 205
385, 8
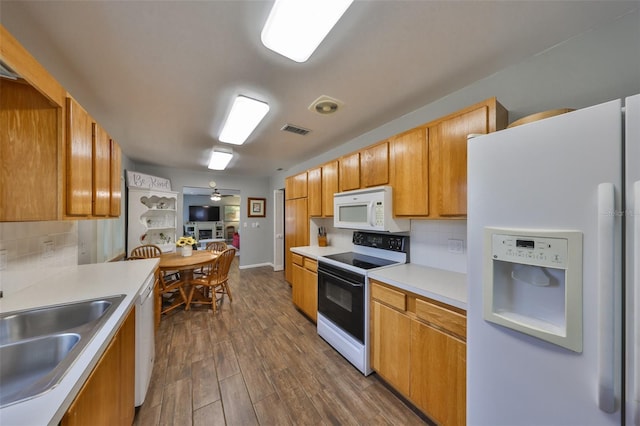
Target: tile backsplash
430, 244
429, 241
28, 247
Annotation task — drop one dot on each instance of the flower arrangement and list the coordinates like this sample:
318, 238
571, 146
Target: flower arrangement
185, 241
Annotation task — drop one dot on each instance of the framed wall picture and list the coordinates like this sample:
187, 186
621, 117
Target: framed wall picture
232, 213
257, 207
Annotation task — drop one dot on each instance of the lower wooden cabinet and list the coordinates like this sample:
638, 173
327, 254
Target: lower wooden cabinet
418, 346
304, 286
108, 395
438, 374
390, 355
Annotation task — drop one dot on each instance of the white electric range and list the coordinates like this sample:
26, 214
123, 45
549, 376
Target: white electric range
343, 292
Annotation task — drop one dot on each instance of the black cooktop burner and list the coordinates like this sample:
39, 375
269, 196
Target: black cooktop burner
361, 261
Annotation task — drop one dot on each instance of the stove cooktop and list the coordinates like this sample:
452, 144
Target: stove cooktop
361, 261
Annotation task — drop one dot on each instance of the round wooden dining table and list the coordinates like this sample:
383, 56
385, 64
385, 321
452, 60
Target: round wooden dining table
186, 265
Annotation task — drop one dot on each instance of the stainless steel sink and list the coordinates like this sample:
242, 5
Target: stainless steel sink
29, 368
51, 319
38, 346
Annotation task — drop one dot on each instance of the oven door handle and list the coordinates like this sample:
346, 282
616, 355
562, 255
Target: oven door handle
340, 279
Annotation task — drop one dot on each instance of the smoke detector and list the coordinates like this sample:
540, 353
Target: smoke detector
325, 105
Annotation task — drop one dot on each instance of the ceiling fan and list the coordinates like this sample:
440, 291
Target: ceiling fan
216, 195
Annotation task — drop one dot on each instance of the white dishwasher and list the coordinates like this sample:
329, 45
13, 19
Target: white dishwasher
145, 342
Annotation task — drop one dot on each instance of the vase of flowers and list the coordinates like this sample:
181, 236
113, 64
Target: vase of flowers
185, 244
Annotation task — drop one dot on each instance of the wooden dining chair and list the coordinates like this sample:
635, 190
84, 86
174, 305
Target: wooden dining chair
217, 246
216, 281
145, 251
172, 292
149, 251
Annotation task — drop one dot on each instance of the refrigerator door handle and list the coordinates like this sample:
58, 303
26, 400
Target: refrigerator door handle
635, 355
606, 288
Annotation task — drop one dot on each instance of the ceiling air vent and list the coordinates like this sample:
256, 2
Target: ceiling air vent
295, 129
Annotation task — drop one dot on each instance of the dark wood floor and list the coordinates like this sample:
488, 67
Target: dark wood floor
258, 361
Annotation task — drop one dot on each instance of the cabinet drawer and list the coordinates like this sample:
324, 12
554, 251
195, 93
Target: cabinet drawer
442, 317
388, 296
310, 264
296, 259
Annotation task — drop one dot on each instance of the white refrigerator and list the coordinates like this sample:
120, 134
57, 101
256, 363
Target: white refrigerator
553, 253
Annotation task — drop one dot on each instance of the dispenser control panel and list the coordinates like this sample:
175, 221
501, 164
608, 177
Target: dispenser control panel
530, 250
533, 283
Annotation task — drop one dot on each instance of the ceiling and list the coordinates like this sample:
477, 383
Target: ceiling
160, 75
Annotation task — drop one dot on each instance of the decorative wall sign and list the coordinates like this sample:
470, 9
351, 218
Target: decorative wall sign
257, 207
140, 180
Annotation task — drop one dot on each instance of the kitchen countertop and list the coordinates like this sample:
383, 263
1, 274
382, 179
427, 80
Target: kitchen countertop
315, 251
71, 284
437, 284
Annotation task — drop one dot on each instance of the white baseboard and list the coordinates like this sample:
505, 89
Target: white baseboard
257, 265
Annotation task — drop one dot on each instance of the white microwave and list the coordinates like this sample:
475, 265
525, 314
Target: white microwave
367, 209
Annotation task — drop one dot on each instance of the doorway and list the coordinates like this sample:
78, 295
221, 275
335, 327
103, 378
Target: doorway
226, 225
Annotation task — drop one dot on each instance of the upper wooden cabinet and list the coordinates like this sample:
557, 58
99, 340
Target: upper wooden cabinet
426, 166
350, 172
365, 168
29, 187
107, 163
409, 162
374, 165
79, 160
322, 184
101, 171
330, 178
448, 154
295, 186
52, 166
115, 178
314, 191
31, 131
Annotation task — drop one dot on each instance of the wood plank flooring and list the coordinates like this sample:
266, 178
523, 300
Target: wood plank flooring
258, 361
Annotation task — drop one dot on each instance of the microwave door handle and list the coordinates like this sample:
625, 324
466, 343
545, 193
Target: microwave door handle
372, 209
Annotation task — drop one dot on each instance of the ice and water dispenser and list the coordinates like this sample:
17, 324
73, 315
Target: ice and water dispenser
533, 283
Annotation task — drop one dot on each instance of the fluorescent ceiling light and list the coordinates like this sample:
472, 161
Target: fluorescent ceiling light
219, 160
245, 115
295, 28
